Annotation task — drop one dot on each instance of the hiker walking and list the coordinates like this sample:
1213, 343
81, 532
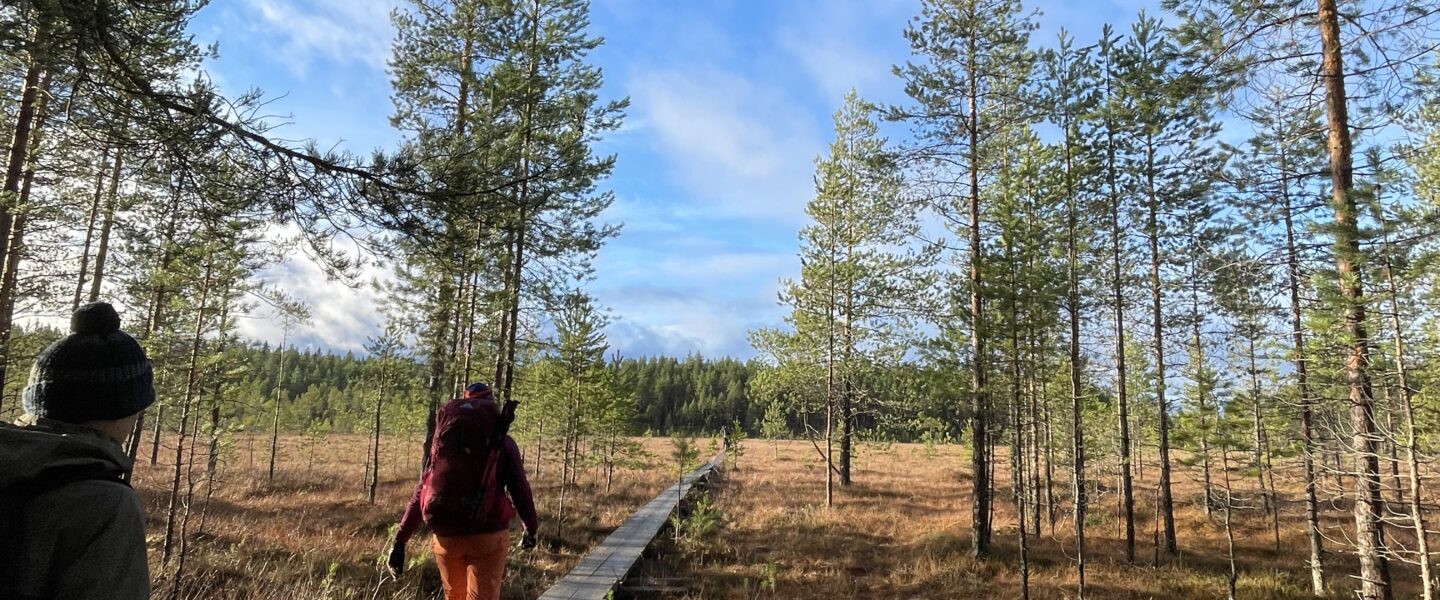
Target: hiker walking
462, 498
70, 526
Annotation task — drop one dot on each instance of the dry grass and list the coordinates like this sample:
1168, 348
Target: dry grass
902, 531
311, 534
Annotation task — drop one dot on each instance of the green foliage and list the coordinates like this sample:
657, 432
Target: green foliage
683, 454
734, 443
697, 522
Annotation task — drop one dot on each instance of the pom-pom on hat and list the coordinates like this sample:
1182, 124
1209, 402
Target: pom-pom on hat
97, 373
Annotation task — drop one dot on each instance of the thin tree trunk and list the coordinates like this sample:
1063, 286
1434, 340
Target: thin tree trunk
1412, 451
17, 215
90, 224
1167, 505
1076, 391
847, 391
280, 391
1036, 497
375, 440
156, 318
1262, 448
1302, 382
1199, 359
1233, 575
212, 462
980, 527
830, 394
1122, 403
1391, 446
192, 380
1050, 508
19, 150
1017, 474
102, 248
1369, 527
1017, 451
517, 273
155, 436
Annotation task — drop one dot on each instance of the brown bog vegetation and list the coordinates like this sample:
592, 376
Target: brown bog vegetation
312, 534
901, 530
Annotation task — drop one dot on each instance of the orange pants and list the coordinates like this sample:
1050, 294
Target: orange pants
472, 566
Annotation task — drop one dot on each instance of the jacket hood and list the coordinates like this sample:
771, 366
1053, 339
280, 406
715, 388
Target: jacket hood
50, 447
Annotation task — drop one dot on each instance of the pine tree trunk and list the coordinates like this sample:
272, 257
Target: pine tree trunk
436, 359
1202, 407
1233, 575
1127, 497
473, 287
1017, 448
1390, 445
375, 439
1268, 494
102, 248
1302, 382
90, 225
17, 218
1117, 296
1036, 497
1167, 505
155, 436
503, 335
1412, 450
212, 463
1017, 471
517, 273
192, 380
847, 391
1050, 506
156, 318
275, 414
979, 419
19, 152
1077, 406
1369, 527
830, 393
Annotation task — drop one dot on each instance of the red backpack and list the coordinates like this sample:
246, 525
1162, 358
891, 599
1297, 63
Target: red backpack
462, 494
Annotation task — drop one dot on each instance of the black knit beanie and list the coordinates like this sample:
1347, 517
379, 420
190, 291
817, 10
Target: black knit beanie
97, 373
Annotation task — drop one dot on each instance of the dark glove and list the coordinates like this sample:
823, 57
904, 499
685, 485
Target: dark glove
528, 542
396, 562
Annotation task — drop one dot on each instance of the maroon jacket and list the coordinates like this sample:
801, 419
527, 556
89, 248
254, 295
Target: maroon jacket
511, 476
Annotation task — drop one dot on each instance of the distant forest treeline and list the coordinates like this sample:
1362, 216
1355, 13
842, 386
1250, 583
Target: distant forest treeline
334, 392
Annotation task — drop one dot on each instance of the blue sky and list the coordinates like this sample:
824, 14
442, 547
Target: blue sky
731, 102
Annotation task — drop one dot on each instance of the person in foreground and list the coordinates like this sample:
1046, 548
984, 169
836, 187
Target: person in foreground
70, 526
462, 498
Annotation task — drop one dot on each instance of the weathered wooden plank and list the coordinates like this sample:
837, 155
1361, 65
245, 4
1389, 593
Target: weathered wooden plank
606, 565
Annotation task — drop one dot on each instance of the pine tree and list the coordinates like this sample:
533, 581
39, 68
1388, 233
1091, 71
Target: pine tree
1113, 114
1173, 163
1067, 99
385, 356
1279, 167
973, 61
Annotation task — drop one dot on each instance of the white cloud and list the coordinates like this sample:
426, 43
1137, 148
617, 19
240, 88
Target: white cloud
680, 322
342, 317
340, 31
840, 45
740, 148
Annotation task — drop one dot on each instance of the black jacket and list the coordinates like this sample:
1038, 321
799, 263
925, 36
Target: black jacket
82, 540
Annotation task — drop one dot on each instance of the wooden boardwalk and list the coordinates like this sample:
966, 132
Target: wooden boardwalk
607, 564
